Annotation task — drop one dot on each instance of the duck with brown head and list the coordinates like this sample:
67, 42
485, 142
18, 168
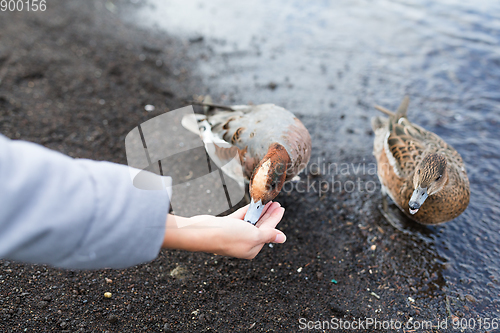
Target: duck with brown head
273, 145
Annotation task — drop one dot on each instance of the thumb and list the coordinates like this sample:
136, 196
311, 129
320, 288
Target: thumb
273, 236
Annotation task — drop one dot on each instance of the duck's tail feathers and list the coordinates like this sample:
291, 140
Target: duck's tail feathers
400, 113
384, 110
403, 107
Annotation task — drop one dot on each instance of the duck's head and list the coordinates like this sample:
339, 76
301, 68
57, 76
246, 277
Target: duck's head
267, 180
429, 178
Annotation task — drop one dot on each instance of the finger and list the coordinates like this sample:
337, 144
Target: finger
272, 221
273, 236
266, 208
267, 214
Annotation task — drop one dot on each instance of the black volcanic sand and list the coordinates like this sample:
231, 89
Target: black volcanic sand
76, 79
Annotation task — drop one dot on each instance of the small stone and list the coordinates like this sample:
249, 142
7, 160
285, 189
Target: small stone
179, 272
272, 85
470, 298
197, 39
42, 304
108, 294
63, 324
113, 319
108, 280
373, 247
149, 108
47, 298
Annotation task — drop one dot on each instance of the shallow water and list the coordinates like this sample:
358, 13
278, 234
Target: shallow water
327, 61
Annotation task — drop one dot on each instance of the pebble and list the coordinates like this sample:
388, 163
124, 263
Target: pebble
113, 319
470, 298
108, 294
42, 304
272, 85
179, 272
47, 298
108, 280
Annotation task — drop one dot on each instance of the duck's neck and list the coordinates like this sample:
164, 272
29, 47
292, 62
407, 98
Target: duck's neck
277, 154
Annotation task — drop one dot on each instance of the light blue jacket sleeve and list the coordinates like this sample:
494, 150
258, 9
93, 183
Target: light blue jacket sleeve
75, 213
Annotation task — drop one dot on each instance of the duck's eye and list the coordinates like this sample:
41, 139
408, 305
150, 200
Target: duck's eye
438, 178
418, 172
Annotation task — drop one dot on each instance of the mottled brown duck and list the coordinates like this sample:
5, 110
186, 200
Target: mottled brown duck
419, 171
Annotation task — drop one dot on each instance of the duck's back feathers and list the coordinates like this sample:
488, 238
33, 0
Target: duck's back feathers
254, 128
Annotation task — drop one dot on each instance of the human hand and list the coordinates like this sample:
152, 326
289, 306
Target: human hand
228, 235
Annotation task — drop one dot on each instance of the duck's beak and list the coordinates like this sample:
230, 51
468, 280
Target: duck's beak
417, 199
254, 212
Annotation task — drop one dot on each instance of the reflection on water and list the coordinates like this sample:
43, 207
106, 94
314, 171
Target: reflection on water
328, 61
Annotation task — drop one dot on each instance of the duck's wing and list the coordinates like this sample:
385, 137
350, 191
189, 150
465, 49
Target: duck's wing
237, 128
404, 146
222, 153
